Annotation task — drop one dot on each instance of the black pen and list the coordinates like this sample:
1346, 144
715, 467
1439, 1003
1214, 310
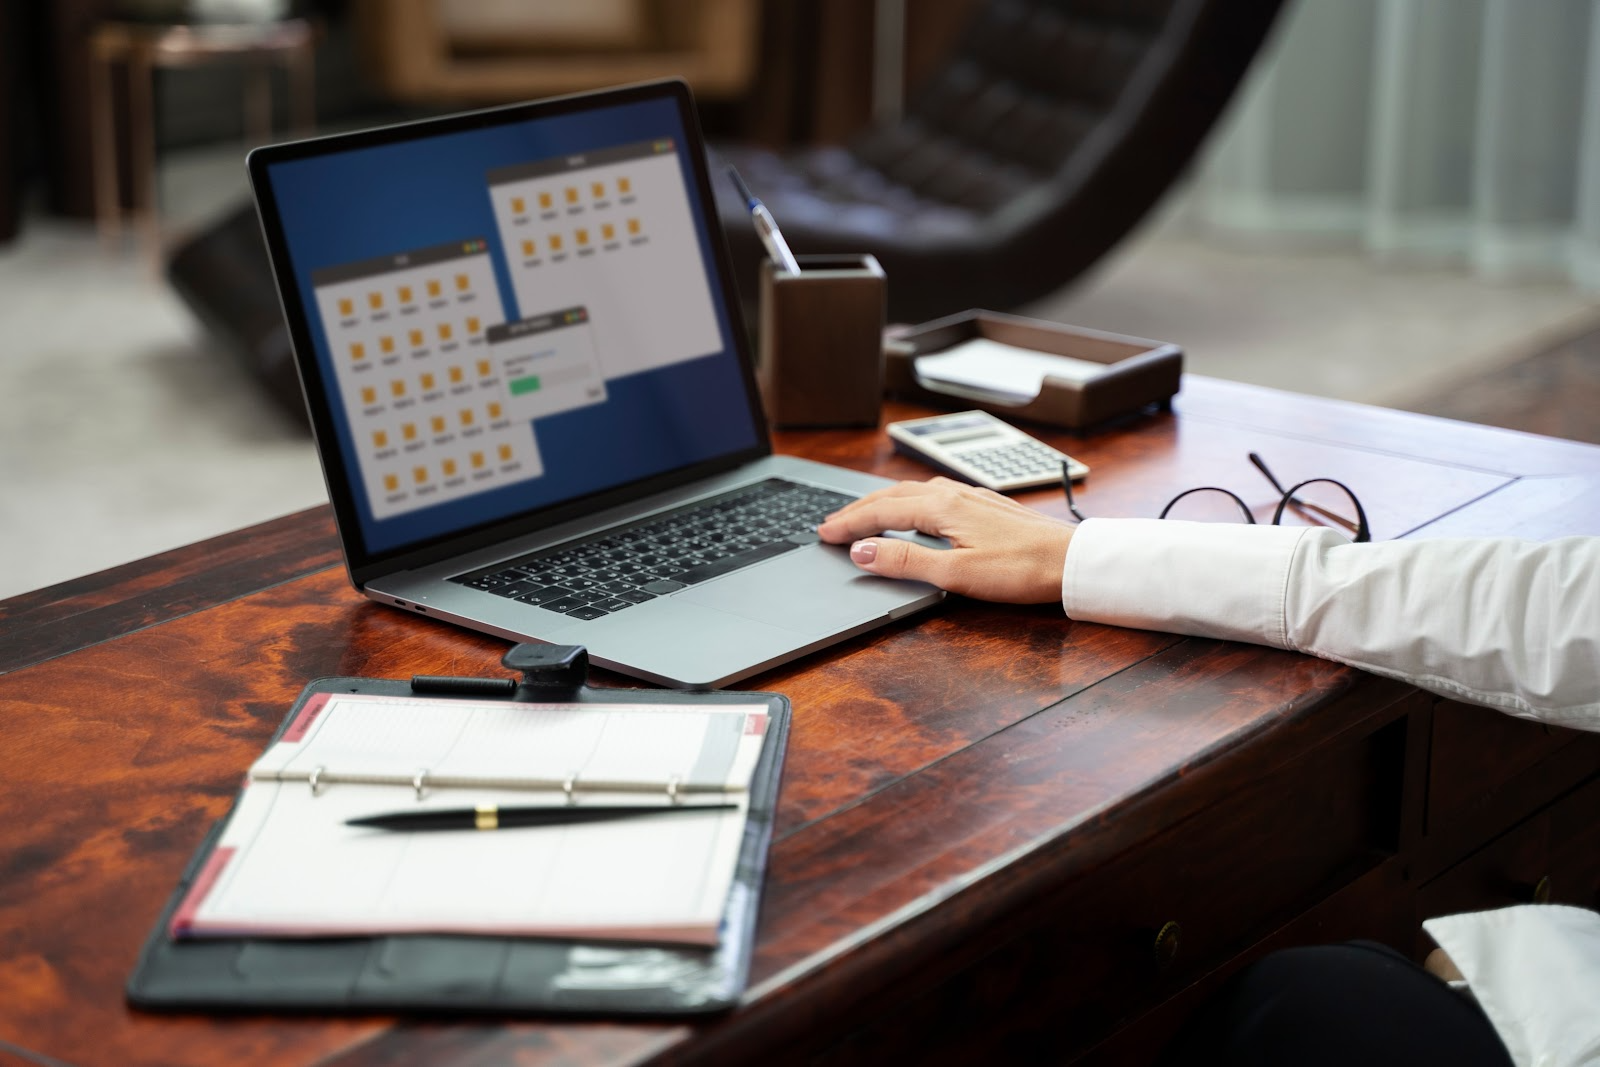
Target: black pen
494, 817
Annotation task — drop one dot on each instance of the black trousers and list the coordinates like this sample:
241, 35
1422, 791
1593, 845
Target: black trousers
1358, 1004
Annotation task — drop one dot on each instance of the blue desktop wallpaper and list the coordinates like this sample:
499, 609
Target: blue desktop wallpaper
378, 201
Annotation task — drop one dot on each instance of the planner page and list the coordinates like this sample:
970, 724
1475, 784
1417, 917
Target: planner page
288, 865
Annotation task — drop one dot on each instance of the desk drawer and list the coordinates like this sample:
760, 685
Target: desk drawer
1553, 856
1069, 970
1476, 752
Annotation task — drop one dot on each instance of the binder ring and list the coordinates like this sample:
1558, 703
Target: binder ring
316, 780
418, 780
566, 787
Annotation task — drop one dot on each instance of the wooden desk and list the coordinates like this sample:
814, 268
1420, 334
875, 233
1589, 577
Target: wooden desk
1002, 835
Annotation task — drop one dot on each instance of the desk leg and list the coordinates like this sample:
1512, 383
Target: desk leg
142, 123
301, 70
258, 103
107, 201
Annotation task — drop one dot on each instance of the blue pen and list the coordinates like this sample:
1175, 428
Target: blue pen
766, 228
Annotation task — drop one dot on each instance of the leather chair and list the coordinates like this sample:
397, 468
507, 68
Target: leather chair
1052, 129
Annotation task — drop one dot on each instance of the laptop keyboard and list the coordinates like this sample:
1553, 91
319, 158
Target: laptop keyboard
616, 570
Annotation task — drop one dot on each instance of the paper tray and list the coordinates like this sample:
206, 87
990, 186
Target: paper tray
1138, 372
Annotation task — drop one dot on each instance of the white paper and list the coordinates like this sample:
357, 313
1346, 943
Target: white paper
288, 866
999, 371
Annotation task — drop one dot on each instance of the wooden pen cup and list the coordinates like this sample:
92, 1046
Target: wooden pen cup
820, 354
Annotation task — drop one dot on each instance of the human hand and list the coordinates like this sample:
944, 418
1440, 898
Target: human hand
1000, 550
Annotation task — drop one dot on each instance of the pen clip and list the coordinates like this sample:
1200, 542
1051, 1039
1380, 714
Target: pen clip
418, 781
672, 790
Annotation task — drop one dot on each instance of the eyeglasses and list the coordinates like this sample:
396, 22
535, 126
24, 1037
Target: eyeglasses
1293, 498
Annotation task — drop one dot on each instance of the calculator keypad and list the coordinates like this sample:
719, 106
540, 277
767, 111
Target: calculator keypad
1012, 462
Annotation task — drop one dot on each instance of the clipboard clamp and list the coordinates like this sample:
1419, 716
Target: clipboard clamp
564, 667
548, 666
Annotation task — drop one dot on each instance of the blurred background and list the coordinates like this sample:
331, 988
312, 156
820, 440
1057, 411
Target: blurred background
1389, 201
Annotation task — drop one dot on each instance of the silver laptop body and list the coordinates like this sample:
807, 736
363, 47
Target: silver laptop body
517, 333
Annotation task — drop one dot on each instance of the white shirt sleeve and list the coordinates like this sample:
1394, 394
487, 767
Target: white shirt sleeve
1535, 971
1511, 624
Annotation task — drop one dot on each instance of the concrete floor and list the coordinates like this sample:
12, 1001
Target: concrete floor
124, 431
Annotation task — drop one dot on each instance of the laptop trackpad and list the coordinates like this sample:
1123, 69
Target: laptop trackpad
814, 590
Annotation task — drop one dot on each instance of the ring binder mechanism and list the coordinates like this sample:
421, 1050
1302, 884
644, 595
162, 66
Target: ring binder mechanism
284, 865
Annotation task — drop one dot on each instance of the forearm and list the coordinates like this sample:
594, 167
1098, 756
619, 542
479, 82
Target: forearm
1510, 624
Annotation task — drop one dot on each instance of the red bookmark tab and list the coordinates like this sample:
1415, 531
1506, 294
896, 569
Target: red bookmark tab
183, 918
308, 715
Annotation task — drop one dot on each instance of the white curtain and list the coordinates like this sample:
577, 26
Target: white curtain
1464, 131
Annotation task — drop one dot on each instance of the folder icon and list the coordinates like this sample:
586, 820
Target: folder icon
380, 439
427, 381
397, 387
607, 231
555, 242
633, 226
438, 424
358, 350
472, 324
466, 416
517, 206
483, 368
527, 249
449, 466
572, 195
477, 459
433, 288
455, 375
444, 331
391, 482
409, 431
376, 300
624, 186
419, 474
405, 294
369, 395
599, 189
505, 452
583, 236
544, 201
347, 307
416, 338
494, 409
387, 344
462, 282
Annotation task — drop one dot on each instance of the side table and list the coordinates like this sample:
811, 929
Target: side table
145, 48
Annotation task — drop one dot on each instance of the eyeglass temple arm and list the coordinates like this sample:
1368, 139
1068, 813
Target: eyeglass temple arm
1339, 520
1066, 485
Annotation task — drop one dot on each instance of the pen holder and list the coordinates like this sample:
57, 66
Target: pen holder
820, 357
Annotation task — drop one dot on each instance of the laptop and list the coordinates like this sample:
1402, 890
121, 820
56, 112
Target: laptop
532, 395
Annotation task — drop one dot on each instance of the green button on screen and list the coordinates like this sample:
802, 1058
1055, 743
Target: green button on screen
524, 385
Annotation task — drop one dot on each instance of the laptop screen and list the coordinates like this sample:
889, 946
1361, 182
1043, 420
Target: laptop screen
507, 311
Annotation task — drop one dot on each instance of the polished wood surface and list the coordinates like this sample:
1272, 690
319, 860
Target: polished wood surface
988, 813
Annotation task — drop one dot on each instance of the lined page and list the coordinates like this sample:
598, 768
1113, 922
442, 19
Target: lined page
288, 866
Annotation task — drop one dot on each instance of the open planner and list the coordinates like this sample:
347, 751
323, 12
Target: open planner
289, 866
289, 905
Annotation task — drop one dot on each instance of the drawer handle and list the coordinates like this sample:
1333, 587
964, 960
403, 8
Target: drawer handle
1166, 944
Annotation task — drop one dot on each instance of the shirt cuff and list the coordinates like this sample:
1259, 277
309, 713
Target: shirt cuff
1222, 580
1535, 971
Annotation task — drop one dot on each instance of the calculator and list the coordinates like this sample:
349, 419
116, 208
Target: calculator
977, 447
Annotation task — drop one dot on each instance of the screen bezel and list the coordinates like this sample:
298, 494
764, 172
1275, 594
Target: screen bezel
363, 564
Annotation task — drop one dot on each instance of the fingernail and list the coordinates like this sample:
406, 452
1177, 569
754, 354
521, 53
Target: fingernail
864, 551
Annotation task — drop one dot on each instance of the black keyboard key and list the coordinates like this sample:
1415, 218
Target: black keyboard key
563, 604
586, 613
727, 564
636, 596
548, 593
612, 604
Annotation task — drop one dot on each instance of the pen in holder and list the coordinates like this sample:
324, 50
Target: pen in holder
820, 358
